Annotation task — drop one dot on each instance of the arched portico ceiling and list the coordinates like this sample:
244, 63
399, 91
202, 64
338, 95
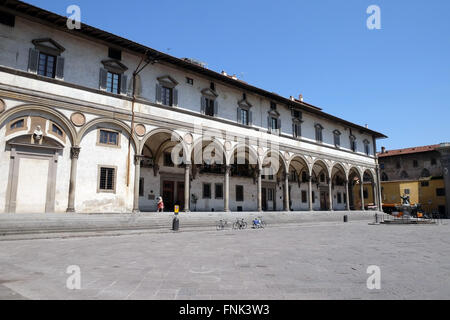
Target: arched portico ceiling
368, 175
273, 162
338, 168
354, 174
209, 151
243, 152
319, 166
98, 121
158, 140
40, 111
299, 164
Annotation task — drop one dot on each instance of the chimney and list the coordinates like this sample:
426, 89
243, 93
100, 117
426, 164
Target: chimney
383, 149
300, 97
367, 126
292, 98
224, 73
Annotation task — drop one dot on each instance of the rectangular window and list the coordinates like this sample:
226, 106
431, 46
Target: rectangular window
218, 191
239, 193
353, 144
113, 82
319, 137
114, 54
244, 117
415, 164
406, 191
424, 184
107, 179
47, 65
273, 106
141, 187
168, 159
110, 138
304, 196
440, 192
337, 140
270, 194
166, 96
189, 81
313, 197
209, 107
339, 197
367, 148
206, 191
273, 123
297, 132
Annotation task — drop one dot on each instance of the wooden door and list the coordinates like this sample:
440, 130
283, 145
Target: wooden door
168, 195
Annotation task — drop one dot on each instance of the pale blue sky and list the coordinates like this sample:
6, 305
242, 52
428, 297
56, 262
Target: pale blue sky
396, 80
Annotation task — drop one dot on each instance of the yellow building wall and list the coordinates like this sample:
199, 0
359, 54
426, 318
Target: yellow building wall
425, 195
357, 195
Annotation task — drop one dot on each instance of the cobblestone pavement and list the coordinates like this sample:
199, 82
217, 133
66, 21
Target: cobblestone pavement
315, 261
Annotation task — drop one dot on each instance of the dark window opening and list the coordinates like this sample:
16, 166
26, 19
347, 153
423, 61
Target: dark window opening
47, 65
57, 130
304, 197
218, 191
189, 81
141, 187
115, 54
273, 106
273, 123
107, 178
18, 124
206, 191
109, 137
239, 193
415, 163
244, 116
166, 96
168, 159
212, 86
440, 192
209, 107
113, 82
339, 197
7, 19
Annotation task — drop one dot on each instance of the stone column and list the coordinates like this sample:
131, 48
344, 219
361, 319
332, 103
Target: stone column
286, 191
330, 194
74, 153
347, 196
375, 194
259, 190
444, 150
187, 185
137, 176
226, 186
361, 187
310, 199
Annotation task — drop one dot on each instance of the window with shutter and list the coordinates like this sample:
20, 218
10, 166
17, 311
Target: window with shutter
46, 65
33, 60
113, 82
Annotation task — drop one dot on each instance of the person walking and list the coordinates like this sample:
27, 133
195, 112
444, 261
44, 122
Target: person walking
160, 205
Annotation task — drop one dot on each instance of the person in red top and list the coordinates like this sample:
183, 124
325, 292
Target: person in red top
160, 205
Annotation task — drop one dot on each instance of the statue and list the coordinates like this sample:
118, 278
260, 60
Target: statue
405, 200
37, 134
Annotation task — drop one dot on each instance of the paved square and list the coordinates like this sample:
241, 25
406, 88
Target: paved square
310, 261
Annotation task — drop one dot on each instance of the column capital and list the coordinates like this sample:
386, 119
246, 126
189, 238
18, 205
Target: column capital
75, 152
138, 158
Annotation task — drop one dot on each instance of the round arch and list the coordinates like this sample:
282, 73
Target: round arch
323, 165
71, 134
252, 153
156, 131
198, 146
96, 121
285, 166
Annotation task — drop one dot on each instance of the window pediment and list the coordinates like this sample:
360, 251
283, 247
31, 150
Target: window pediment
244, 104
48, 45
318, 126
274, 113
114, 66
209, 93
366, 141
168, 81
337, 132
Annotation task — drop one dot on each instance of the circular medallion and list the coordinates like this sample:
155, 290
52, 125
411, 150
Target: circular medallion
139, 129
188, 138
78, 119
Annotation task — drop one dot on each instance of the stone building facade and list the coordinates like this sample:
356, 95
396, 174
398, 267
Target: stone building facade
92, 122
421, 172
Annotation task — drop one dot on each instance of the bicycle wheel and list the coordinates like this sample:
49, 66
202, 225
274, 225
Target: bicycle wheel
235, 225
244, 225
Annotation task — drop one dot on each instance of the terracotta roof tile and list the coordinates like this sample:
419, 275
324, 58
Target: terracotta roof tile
390, 153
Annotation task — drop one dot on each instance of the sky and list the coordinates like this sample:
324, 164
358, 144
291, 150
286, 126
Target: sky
395, 79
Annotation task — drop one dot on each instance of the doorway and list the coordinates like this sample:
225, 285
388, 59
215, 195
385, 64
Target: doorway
168, 195
268, 198
323, 200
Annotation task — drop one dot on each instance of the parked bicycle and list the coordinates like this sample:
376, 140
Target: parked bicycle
240, 224
222, 224
258, 223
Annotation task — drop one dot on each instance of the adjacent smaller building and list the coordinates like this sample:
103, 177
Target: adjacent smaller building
420, 172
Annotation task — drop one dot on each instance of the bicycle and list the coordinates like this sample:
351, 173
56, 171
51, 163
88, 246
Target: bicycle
258, 223
240, 224
221, 225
